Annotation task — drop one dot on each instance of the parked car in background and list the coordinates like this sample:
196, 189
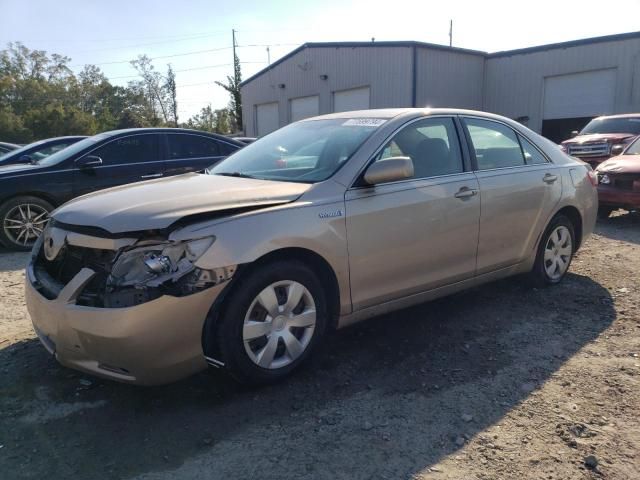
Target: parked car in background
36, 151
29, 192
7, 147
619, 181
602, 138
245, 267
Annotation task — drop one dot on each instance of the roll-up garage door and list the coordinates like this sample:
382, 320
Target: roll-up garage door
585, 94
304, 107
267, 118
354, 99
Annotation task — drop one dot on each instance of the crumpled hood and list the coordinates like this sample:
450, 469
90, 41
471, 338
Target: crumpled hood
156, 204
621, 164
599, 137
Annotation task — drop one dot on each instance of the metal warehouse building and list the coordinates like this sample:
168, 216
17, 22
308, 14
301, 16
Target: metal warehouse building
553, 89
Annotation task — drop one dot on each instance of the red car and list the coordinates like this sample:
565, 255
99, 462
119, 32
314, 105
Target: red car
602, 138
619, 181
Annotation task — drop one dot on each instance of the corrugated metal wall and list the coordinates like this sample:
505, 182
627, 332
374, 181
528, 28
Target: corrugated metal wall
386, 70
510, 85
514, 85
448, 79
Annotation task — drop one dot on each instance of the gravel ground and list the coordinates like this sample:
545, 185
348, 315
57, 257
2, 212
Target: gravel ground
499, 382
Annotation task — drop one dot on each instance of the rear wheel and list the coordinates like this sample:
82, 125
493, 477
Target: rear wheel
555, 253
271, 322
22, 221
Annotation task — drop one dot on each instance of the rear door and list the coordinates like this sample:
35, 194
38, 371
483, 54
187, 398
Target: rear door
519, 189
126, 159
188, 152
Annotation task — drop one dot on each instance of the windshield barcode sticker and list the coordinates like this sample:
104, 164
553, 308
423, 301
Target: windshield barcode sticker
364, 122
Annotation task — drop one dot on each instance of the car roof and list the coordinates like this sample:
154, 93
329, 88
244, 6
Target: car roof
389, 113
619, 115
166, 130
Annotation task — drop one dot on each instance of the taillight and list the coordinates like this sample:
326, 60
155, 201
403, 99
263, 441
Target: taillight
593, 178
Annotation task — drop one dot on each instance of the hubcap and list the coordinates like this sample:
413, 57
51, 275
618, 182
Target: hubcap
557, 253
279, 324
24, 223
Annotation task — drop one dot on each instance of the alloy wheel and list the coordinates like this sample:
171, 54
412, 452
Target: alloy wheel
557, 252
24, 223
279, 324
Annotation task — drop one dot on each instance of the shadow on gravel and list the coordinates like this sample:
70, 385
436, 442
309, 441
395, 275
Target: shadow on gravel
382, 399
623, 226
10, 260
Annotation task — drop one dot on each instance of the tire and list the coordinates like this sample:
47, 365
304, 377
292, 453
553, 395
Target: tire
17, 210
558, 246
246, 334
604, 212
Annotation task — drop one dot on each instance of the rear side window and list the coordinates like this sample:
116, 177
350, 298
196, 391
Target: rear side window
432, 144
132, 149
227, 149
193, 146
531, 154
495, 145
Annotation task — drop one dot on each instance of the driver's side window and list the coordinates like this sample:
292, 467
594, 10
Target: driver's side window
432, 144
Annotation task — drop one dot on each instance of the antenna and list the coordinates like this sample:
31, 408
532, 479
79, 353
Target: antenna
450, 33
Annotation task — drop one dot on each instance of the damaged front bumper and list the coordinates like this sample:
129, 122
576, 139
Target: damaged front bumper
151, 343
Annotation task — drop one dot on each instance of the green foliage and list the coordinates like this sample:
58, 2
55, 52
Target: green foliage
40, 97
233, 87
210, 120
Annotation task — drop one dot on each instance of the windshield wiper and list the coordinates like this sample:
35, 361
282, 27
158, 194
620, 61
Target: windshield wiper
235, 174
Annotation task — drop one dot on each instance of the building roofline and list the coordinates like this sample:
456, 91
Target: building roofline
435, 46
407, 43
568, 44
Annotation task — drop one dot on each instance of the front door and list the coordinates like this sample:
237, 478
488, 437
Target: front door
414, 235
519, 191
123, 160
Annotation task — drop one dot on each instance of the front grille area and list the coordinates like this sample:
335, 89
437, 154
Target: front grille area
621, 181
589, 149
69, 261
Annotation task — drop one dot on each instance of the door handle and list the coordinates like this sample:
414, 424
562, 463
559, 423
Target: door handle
549, 178
151, 175
466, 192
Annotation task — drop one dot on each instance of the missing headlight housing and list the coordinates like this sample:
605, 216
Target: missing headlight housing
154, 264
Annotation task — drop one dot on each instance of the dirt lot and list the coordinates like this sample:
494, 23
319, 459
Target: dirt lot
500, 382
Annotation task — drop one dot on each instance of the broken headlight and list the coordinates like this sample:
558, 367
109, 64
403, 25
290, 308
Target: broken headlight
154, 264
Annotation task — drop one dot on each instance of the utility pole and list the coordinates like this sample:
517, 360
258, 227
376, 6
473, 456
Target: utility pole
233, 39
451, 33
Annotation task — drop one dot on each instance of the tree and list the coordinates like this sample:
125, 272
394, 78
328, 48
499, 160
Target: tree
170, 87
210, 120
233, 87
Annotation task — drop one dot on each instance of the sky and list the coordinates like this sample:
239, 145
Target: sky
194, 36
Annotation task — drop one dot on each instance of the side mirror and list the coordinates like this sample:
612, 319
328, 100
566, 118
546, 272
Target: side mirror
617, 150
24, 159
575, 133
89, 161
389, 170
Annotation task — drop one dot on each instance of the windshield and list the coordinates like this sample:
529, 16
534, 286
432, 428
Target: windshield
634, 148
613, 125
19, 151
306, 152
72, 150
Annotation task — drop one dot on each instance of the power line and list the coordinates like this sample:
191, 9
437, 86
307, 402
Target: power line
111, 39
185, 69
159, 57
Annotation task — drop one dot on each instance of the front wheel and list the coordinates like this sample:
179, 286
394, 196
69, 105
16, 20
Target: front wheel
271, 322
22, 221
555, 253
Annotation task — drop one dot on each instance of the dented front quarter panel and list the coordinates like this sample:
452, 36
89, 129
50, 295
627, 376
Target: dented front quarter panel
315, 222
